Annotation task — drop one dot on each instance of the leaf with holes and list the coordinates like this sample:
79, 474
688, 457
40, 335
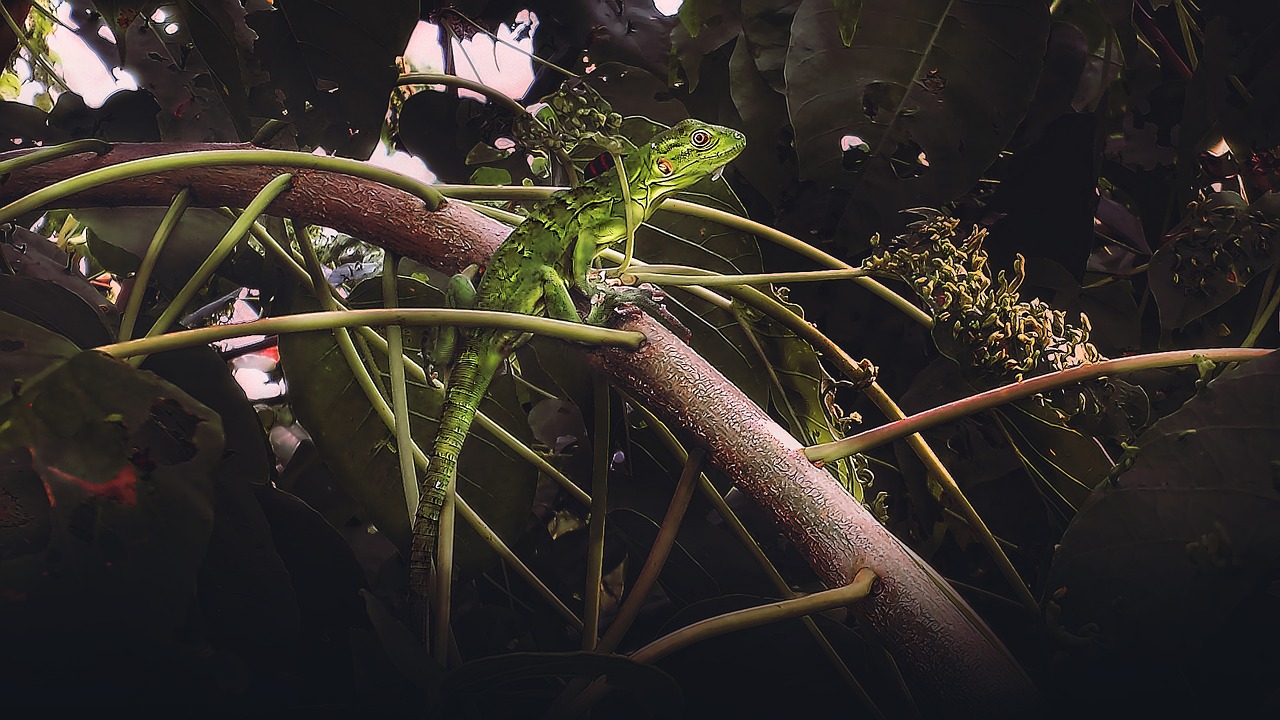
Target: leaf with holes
125, 461
915, 84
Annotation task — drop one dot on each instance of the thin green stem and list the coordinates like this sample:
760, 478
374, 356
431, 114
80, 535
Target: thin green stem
712, 627
662, 545
850, 594
215, 158
497, 96
237, 232
976, 524
599, 512
273, 246
996, 397
172, 217
734, 523
737, 222
416, 317
53, 152
399, 390
629, 221
442, 602
541, 61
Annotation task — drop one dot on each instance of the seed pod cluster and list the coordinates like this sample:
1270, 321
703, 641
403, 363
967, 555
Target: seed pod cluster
1220, 245
980, 322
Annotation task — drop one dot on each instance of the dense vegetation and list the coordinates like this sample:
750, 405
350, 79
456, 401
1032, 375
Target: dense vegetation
1039, 186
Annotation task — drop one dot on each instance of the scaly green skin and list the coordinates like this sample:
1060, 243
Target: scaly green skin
531, 273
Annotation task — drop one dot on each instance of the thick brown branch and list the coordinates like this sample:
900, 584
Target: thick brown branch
933, 634
450, 238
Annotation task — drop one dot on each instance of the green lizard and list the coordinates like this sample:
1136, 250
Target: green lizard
532, 271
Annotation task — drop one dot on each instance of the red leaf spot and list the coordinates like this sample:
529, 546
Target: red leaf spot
123, 488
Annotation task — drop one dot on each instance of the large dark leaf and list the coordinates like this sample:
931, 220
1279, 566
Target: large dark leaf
245, 591
360, 450
219, 32
918, 85
124, 459
334, 61
1174, 562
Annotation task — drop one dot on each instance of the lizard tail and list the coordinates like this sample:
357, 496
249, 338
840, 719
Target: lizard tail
468, 381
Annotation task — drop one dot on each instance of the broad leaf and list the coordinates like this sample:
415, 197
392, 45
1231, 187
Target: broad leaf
360, 449
917, 83
1169, 563
124, 459
334, 62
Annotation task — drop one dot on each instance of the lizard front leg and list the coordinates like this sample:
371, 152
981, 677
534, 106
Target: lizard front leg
441, 341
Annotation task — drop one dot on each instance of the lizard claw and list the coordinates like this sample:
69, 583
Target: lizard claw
608, 300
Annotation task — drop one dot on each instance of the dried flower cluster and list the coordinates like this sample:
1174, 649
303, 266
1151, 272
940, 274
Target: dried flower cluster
979, 322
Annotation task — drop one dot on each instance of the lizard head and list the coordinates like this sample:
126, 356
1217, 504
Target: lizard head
682, 155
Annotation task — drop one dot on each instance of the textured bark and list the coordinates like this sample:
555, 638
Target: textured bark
937, 639
932, 632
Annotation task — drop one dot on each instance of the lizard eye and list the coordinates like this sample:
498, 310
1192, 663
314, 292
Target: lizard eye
665, 167
701, 139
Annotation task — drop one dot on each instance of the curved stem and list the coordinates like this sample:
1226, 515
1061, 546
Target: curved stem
757, 616
417, 317
238, 230
46, 154
172, 217
499, 98
724, 624
1016, 391
662, 545
734, 523
599, 513
209, 158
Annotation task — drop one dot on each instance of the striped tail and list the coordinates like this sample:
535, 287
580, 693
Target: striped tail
468, 382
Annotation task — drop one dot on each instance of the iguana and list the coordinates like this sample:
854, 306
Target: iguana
532, 271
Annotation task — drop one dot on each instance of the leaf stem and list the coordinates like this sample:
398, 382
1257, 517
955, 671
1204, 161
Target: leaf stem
1015, 391
212, 158
724, 624
415, 317
53, 152
599, 514
172, 217
734, 523
238, 230
681, 276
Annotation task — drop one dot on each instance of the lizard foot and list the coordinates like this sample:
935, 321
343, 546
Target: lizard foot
609, 299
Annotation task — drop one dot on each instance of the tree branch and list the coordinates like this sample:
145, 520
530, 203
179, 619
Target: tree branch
931, 631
